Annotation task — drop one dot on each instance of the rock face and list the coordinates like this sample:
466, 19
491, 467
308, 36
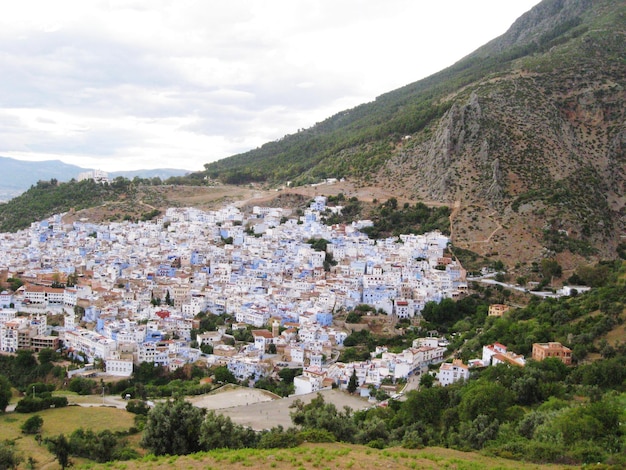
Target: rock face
537, 153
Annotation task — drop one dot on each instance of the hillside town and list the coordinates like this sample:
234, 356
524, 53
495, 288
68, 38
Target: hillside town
132, 292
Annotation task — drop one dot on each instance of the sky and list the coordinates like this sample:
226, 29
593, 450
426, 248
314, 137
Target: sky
134, 84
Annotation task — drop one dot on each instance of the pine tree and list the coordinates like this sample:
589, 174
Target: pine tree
353, 383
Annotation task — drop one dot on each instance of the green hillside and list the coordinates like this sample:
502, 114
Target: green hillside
357, 142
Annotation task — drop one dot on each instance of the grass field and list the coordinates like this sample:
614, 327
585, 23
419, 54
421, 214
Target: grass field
305, 457
328, 457
57, 421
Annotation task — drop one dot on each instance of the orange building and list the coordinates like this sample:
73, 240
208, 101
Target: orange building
497, 310
542, 351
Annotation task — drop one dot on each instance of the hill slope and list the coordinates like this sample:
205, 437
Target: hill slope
19, 175
526, 137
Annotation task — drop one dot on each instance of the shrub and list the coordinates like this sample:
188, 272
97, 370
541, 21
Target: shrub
32, 425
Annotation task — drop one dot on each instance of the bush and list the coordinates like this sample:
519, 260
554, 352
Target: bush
82, 386
138, 407
279, 438
31, 405
316, 435
32, 425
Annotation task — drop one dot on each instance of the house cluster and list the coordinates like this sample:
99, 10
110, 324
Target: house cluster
137, 288
19, 332
497, 353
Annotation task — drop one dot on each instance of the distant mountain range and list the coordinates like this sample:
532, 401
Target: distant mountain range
19, 175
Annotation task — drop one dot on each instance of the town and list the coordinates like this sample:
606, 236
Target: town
134, 292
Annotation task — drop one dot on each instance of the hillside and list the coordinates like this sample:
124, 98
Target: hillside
525, 137
121, 200
312, 456
19, 175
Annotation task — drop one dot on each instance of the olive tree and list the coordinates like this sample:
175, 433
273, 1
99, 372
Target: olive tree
172, 428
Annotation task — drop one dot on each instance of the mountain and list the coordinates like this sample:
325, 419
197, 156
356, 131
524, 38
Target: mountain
525, 138
19, 175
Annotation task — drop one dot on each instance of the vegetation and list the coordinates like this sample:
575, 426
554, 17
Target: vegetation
47, 198
389, 220
32, 425
283, 387
5, 393
172, 428
32, 449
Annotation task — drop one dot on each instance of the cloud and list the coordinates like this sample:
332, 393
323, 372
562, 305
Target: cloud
129, 84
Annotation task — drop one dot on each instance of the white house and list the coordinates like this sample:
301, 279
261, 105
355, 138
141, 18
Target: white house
453, 372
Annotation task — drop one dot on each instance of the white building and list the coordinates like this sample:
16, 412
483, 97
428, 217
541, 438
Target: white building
453, 372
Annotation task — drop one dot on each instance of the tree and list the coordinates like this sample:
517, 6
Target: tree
5, 393
219, 432
427, 381
9, 458
223, 375
32, 425
320, 415
485, 398
15, 283
172, 428
353, 383
477, 432
550, 268
60, 447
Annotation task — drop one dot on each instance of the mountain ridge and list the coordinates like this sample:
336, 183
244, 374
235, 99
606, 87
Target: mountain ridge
526, 135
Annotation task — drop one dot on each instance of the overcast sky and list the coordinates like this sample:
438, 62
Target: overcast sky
130, 84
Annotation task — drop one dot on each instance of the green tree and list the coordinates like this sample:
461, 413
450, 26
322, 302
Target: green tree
353, 382
219, 432
279, 438
223, 375
9, 458
5, 393
425, 405
477, 432
320, 415
550, 268
172, 428
484, 398
427, 380
32, 425
60, 447
15, 283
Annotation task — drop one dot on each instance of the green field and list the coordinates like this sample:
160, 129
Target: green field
306, 456
57, 421
330, 456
